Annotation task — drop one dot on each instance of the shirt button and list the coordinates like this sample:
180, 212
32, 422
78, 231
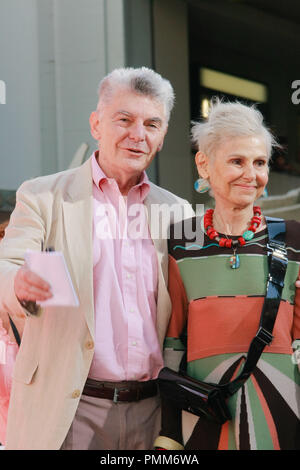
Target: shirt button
76, 394
89, 344
129, 276
133, 343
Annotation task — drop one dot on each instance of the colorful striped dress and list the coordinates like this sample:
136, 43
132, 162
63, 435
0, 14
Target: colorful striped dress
220, 309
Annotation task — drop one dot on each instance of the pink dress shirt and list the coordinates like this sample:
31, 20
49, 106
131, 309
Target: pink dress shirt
125, 283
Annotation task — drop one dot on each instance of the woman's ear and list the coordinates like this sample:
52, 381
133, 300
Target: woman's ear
201, 161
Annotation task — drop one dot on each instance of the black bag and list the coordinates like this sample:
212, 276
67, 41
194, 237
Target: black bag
200, 398
207, 399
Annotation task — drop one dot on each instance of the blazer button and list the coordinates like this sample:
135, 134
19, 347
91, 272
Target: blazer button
76, 394
89, 344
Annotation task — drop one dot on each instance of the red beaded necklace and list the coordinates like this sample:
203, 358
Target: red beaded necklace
229, 242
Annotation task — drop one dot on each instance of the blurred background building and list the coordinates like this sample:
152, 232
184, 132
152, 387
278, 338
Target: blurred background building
54, 53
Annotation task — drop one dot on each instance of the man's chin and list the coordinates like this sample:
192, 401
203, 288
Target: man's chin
138, 162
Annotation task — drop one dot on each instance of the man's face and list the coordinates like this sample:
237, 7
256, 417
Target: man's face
130, 130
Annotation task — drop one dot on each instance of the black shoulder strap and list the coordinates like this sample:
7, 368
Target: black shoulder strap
277, 258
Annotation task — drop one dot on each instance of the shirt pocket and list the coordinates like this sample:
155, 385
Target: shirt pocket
25, 369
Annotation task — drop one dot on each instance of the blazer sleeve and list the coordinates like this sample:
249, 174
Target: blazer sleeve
26, 230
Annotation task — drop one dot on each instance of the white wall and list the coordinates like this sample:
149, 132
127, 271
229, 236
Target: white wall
53, 54
20, 116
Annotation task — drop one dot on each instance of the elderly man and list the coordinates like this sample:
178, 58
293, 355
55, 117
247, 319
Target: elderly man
85, 376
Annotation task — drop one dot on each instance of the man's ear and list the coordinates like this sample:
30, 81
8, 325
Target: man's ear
162, 140
160, 146
94, 125
201, 161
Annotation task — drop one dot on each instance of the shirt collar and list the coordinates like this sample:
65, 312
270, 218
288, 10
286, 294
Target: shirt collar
99, 178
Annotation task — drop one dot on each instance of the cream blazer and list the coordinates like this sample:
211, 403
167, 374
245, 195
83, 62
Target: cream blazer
57, 344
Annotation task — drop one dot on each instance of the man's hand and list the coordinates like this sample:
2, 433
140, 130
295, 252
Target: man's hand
31, 287
298, 283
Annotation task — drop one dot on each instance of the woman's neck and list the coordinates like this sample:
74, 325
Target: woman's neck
232, 220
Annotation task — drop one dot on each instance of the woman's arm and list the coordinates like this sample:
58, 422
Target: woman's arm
170, 437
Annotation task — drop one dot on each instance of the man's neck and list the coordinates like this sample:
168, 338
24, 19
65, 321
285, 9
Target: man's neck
124, 181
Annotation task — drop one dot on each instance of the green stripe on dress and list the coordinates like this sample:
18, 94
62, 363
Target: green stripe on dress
261, 429
284, 364
174, 343
213, 276
201, 368
232, 405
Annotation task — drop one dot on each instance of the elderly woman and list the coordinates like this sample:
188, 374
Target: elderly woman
217, 290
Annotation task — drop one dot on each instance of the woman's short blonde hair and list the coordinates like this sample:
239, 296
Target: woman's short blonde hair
230, 119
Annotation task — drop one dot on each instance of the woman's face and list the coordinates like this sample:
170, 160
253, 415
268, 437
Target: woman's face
238, 170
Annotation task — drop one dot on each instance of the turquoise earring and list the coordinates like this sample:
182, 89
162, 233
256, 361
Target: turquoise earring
265, 193
201, 185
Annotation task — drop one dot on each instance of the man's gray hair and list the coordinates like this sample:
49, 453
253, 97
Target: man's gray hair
227, 119
139, 80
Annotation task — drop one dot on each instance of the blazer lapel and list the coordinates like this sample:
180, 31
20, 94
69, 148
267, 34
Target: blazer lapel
78, 226
161, 245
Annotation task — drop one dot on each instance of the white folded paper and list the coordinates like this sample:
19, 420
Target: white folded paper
51, 267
